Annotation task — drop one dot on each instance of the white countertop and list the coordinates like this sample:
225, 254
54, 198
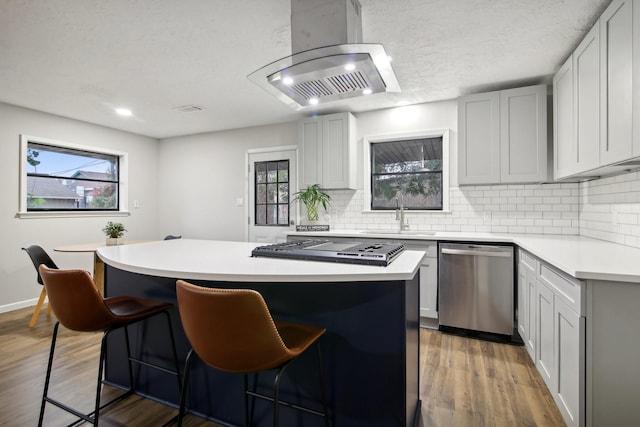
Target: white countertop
579, 256
232, 261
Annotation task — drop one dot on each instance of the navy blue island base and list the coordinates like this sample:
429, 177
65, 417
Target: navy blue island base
370, 352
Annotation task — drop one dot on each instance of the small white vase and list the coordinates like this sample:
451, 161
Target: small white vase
112, 241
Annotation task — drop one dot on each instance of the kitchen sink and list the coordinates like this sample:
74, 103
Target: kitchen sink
399, 233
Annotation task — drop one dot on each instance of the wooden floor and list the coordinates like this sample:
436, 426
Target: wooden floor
464, 382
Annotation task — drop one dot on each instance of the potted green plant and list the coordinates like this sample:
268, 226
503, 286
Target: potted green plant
312, 197
114, 232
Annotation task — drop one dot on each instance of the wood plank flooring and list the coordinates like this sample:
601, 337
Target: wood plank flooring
464, 382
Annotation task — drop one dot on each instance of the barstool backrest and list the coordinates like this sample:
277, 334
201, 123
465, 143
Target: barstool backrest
75, 300
39, 256
231, 329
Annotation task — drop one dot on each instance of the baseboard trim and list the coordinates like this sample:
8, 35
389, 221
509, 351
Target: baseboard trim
18, 305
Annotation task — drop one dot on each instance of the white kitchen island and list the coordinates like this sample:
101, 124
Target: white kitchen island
370, 351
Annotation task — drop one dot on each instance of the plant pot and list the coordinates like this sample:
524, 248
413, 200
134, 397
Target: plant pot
112, 241
312, 214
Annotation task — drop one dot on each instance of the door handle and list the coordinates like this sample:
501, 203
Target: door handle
475, 253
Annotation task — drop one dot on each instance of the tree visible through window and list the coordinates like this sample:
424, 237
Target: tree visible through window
411, 169
272, 193
67, 179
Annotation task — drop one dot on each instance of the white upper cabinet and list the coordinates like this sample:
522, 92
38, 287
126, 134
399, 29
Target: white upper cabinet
327, 150
503, 136
564, 149
604, 118
479, 138
616, 53
586, 68
523, 134
636, 81
310, 150
576, 89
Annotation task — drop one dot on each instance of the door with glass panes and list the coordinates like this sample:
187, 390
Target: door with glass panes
272, 181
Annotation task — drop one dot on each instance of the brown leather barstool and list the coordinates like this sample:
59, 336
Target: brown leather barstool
232, 330
78, 306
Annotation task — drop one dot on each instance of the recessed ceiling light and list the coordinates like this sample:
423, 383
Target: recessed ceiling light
288, 81
350, 67
402, 103
313, 101
366, 91
124, 112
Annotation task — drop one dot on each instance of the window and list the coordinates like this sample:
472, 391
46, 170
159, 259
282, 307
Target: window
272, 193
61, 177
410, 169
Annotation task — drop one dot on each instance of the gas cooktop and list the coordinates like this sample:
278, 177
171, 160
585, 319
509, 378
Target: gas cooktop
325, 250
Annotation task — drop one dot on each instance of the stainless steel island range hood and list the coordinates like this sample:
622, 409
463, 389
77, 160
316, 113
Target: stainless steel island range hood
329, 62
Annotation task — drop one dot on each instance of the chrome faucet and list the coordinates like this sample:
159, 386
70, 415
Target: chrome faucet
400, 211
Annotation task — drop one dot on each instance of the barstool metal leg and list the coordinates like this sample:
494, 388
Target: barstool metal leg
175, 352
94, 416
252, 393
126, 341
185, 383
246, 400
276, 393
322, 387
96, 412
48, 377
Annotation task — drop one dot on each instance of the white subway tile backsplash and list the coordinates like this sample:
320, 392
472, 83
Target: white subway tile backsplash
494, 208
606, 209
610, 208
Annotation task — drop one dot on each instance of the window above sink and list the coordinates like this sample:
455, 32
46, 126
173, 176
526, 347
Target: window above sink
412, 165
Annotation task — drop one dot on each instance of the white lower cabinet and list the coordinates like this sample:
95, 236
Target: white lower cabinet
554, 303
527, 301
570, 357
546, 335
429, 287
428, 280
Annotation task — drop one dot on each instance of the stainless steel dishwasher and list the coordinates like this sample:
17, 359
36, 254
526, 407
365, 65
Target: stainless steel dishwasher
475, 287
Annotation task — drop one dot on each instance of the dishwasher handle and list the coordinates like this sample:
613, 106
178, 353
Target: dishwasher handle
476, 252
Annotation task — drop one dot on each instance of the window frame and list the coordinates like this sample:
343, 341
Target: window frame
401, 136
123, 174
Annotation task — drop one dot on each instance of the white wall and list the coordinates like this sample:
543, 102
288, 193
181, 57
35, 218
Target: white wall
203, 175
18, 286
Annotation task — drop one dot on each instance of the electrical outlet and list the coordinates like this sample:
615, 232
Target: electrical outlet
136, 204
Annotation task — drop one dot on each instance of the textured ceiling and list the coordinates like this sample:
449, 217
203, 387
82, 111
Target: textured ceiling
80, 59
